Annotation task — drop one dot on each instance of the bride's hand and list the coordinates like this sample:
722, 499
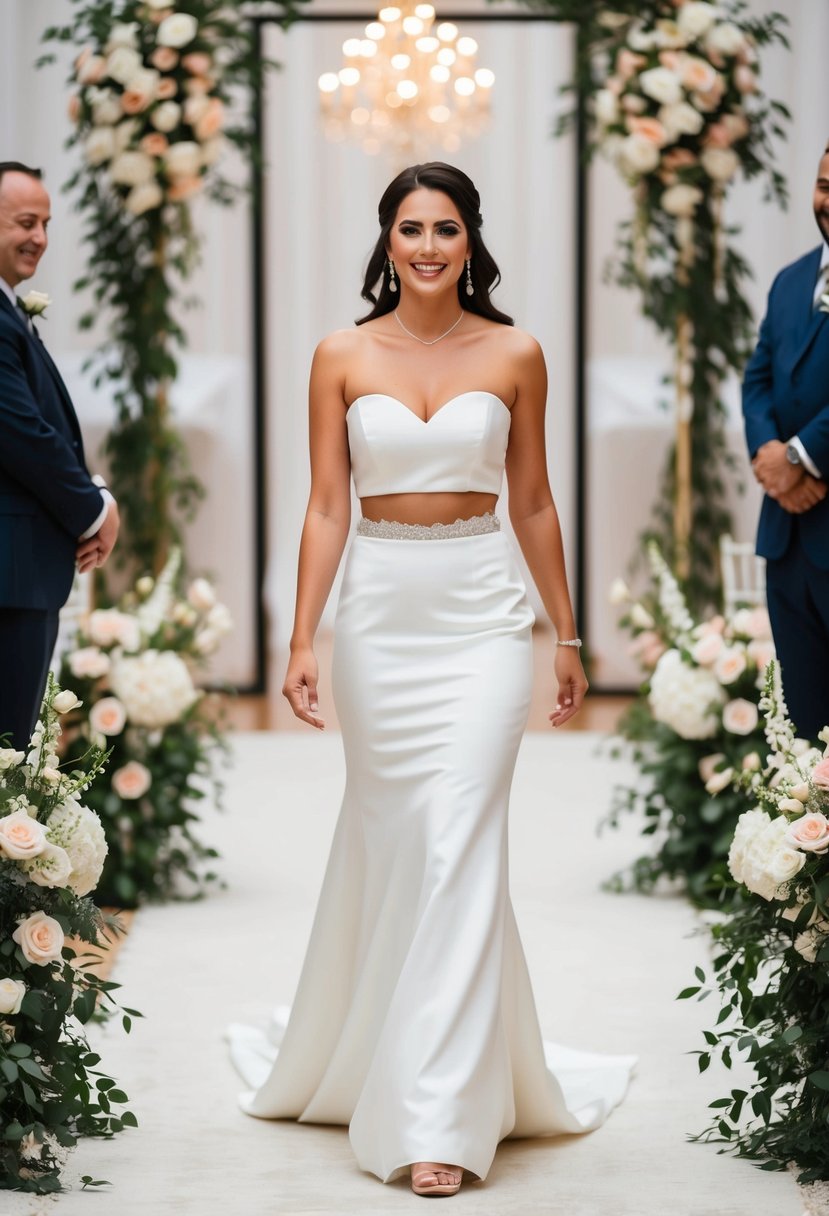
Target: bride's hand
300, 687
572, 685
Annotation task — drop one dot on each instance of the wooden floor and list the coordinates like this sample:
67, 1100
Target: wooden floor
272, 712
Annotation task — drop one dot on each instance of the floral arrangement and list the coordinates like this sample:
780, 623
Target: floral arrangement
150, 99
770, 966
134, 666
52, 853
671, 91
695, 725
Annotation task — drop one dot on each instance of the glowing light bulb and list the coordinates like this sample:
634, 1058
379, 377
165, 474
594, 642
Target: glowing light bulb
446, 31
426, 12
484, 78
427, 44
375, 30
349, 76
389, 14
351, 47
439, 113
360, 116
464, 86
407, 89
400, 62
412, 25
439, 74
329, 82
446, 56
467, 46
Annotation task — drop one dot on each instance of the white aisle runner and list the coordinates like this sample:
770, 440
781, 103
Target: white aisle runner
605, 969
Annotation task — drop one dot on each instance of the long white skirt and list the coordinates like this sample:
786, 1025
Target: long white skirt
414, 1021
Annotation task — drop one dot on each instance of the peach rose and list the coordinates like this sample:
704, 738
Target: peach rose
730, 665
21, 837
820, 774
679, 158
737, 125
647, 648
760, 653
134, 101
166, 89
670, 60
73, 107
82, 57
708, 649
40, 937
132, 780
197, 63
648, 128
740, 717
697, 74
718, 136
154, 144
708, 765
92, 69
164, 58
108, 716
194, 108
810, 833
183, 188
745, 80
212, 121
627, 63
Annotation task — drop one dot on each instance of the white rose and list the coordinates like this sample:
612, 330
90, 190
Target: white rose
132, 169
194, 108
166, 117
201, 595
91, 70
749, 825
183, 159
145, 197
99, 145
637, 155
106, 110
640, 617
681, 119
740, 716
681, 199
132, 780
219, 618
108, 716
640, 40
685, 698
107, 626
785, 863
21, 837
123, 33
761, 654
212, 149
696, 18
669, 35
725, 39
719, 163
157, 3
751, 762
619, 592
123, 63
125, 133
9, 758
51, 868
206, 641
730, 664
40, 937
662, 85
88, 663
607, 108
12, 993
65, 701
78, 831
708, 765
177, 30
145, 81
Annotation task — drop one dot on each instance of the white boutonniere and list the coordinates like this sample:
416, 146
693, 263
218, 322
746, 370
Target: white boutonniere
35, 303
823, 306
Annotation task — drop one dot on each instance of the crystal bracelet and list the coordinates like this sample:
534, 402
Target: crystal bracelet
569, 642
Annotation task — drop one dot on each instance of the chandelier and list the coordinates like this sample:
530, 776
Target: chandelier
406, 87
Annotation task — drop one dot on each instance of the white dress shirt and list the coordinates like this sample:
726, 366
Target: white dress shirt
99, 481
821, 285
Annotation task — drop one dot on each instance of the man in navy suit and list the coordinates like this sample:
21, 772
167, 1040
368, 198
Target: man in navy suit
53, 516
786, 411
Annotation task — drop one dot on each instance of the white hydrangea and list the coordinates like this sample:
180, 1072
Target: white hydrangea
155, 687
78, 831
685, 698
759, 856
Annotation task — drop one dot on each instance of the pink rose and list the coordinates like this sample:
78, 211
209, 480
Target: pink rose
717, 136
820, 774
197, 63
744, 79
810, 833
108, 716
740, 716
649, 128
21, 836
164, 58
166, 88
760, 653
697, 74
627, 62
212, 121
40, 937
708, 649
647, 648
730, 664
132, 781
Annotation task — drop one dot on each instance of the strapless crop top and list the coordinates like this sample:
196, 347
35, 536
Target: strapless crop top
462, 446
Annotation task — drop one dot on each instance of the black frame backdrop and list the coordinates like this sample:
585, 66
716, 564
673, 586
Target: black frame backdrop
579, 297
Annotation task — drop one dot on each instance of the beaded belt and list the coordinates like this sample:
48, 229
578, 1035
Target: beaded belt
392, 530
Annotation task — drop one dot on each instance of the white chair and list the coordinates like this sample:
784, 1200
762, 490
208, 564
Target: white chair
743, 574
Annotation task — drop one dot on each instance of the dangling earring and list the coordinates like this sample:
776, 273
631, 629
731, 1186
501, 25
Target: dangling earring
392, 279
470, 290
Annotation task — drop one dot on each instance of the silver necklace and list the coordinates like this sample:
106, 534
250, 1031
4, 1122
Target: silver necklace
429, 341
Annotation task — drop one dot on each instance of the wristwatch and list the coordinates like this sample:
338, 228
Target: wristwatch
792, 454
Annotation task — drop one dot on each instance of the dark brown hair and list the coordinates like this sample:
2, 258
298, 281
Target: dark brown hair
435, 175
14, 166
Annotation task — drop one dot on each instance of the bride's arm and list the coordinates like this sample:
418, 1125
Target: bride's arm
327, 521
535, 522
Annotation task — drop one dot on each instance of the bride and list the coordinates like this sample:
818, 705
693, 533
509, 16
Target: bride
414, 1021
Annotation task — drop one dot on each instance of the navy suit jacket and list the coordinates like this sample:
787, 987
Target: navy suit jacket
47, 498
786, 393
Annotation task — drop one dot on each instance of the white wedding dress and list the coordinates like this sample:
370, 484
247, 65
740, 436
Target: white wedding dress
414, 1021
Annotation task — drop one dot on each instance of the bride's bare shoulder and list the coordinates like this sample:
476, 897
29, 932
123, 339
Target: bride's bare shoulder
342, 343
